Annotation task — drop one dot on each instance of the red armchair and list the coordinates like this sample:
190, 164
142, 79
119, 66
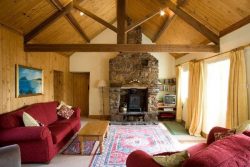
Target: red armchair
231, 151
38, 144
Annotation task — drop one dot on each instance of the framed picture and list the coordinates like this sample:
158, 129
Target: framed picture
29, 81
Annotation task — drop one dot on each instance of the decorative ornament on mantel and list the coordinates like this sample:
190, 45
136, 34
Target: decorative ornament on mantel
135, 81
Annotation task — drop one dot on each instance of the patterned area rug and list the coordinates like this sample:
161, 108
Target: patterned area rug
73, 147
123, 139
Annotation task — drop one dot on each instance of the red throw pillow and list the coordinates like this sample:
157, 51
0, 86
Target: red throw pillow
221, 135
65, 112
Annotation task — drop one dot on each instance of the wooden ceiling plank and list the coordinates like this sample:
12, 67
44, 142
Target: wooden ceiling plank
141, 21
119, 48
53, 18
71, 20
235, 26
192, 21
164, 27
77, 27
78, 1
96, 18
121, 21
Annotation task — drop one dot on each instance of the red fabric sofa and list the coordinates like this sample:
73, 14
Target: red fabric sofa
38, 144
231, 151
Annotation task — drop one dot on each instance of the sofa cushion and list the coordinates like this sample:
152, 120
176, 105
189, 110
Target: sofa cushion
28, 120
11, 119
171, 160
221, 135
65, 112
8, 121
59, 131
62, 103
37, 112
43, 112
72, 122
50, 111
210, 138
233, 151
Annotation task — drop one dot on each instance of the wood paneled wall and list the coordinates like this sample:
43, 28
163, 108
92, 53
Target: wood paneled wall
11, 53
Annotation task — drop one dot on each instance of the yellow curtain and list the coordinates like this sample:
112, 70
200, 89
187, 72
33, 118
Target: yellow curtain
179, 102
237, 107
190, 95
196, 103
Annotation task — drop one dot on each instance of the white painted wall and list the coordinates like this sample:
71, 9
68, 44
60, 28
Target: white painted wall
98, 66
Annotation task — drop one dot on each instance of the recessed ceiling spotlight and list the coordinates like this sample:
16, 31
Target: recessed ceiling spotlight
162, 13
81, 13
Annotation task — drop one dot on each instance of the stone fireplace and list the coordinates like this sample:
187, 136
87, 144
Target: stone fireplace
133, 83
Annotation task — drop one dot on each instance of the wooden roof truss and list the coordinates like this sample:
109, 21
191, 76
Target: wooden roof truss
122, 29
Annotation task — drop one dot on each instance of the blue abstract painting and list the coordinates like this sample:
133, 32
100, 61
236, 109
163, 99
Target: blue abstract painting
30, 81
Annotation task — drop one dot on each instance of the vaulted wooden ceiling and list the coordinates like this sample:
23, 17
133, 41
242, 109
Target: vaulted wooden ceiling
218, 16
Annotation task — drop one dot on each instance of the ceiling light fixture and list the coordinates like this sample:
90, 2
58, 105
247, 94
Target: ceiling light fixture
81, 13
162, 13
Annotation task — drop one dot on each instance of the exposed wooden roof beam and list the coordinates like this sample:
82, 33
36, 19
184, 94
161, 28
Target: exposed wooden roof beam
141, 21
78, 28
121, 21
164, 27
96, 18
192, 21
235, 26
56, 3
71, 20
119, 48
53, 18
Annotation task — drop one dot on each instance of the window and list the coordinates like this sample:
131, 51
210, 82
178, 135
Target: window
184, 85
184, 89
216, 74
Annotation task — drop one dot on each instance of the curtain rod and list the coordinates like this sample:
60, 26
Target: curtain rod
238, 48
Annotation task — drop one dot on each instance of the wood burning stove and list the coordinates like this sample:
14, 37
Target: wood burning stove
136, 99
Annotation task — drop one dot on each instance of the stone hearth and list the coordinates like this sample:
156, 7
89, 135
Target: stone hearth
133, 71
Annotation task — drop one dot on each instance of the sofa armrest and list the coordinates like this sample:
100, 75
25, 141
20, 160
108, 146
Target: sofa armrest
77, 112
10, 156
210, 138
24, 134
140, 158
